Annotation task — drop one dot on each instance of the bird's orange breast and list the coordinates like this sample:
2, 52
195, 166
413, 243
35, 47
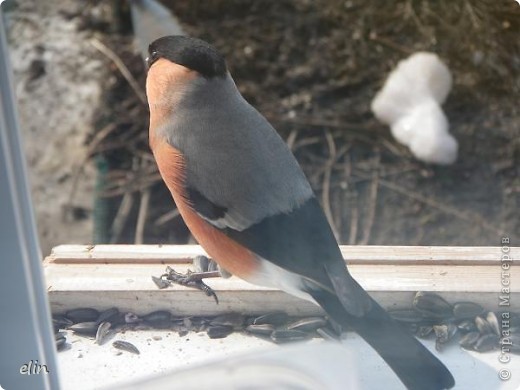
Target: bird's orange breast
226, 252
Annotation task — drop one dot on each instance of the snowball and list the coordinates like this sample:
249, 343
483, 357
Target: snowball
425, 131
410, 103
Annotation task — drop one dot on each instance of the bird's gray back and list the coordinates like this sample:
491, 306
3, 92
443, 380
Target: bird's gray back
241, 162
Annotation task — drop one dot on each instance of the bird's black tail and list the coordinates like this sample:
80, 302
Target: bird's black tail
415, 366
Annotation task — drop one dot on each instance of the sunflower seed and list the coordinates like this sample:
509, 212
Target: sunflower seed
195, 324
219, 331
201, 263
102, 332
60, 342
158, 319
432, 305
483, 326
469, 339
213, 266
492, 320
328, 334
424, 331
514, 346
264, 329
465, 310
131, 318
86, 328
406, 315
111, 315
60, 335
467, 326
232, 319
60, 322
286, 336
276, 318
125, 346
84, 314
308, 324
487, 342
187, 322
514, 319
444, 333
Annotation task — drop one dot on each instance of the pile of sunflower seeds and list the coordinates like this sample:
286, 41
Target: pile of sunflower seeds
277, 327
475, 328
430, 316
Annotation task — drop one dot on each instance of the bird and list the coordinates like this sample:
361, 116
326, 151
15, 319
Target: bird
247, 202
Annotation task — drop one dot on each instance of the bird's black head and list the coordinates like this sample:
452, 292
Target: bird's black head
193, 53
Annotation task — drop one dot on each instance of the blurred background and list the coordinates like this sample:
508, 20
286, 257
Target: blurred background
312, 68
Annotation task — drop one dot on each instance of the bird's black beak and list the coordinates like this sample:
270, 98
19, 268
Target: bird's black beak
152, 57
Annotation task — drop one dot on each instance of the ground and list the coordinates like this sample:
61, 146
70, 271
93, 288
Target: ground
312, 69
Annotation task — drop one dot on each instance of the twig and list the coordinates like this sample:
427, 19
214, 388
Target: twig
121, 217
391, 44
411, 12
167, 217
121, 66
392, 147
439, 206
100, 136
305, 142
354, 216
321, 170
472, 15
137, 185
78, 170
353, 225
337, 206
146, 156
372, 204
325, 195
292, 138
360, 176
141, 217
303, 121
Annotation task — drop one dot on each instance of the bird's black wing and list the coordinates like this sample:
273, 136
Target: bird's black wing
300, 241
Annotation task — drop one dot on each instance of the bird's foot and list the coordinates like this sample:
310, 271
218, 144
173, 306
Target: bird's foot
189, 279
192, 279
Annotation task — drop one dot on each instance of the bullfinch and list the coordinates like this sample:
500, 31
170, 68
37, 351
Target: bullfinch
247, 202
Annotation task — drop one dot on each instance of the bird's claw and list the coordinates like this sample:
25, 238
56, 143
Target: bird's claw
161, 282
189, 279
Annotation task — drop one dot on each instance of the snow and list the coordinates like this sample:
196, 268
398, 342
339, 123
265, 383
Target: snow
410, 103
